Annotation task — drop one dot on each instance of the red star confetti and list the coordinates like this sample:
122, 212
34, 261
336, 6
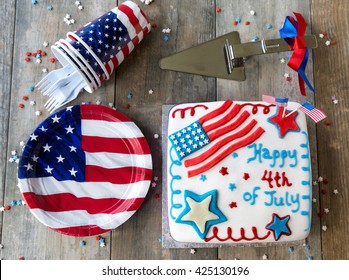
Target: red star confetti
323, 191
246, 176
224, 171
233, 204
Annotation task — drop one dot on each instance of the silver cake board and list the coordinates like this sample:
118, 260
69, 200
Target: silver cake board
167, 240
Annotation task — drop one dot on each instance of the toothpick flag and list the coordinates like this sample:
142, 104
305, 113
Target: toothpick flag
314, 113
281, 102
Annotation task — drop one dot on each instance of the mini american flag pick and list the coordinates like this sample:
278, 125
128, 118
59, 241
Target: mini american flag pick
314, 113
281, 102
85, 170
223, 131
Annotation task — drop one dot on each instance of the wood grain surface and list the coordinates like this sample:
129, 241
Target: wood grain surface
24, 27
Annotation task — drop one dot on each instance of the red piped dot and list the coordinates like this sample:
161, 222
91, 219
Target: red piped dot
27, 59
43, 53
333, 42
21, 258
28, 53
7, 208
24, 97
324, 33
98, 237
218, 10
328, 123
235, 22
153, 25
127, 106
288, 79
323, 191
247, 22
20, 105
52, 60
325, 181
38, 52
156, 196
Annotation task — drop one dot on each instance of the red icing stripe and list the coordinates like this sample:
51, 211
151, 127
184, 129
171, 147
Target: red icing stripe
68, 202
122, 175
101, 113
82, 230
219, 132
244, 142
234, 111
244, 131
216, 112
133, 19
95, 144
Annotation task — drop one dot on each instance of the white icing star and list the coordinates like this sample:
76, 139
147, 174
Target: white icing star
33, 137
55, 119
200, 213
29, 166
69, 129
60, 158
72, 149
49, 169
73, 172
47, 148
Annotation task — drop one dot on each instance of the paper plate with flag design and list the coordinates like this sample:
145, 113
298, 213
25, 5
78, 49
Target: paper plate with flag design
85, 170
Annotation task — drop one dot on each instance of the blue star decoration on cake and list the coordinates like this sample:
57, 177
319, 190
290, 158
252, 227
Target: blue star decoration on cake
201, 212
284, 124
279, 226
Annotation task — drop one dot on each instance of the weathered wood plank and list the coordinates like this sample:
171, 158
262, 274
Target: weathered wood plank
265, 75
7, 18
139, 238
23, 234
331, 79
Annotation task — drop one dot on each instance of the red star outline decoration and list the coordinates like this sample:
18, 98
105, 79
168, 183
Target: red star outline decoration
284, 124
224, 171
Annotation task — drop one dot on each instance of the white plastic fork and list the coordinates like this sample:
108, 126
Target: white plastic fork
74, 77
54, 76
64, 95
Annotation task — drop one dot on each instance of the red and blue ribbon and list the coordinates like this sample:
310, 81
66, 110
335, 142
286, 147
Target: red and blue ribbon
293, 32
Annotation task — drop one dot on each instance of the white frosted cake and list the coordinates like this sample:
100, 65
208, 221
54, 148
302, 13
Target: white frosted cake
238, 172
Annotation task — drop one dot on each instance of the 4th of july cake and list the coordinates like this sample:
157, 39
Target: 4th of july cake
238, 172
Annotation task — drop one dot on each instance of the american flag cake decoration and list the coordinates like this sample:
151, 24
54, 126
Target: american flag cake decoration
85, 170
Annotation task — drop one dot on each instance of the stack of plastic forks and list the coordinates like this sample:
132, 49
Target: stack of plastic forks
62, 86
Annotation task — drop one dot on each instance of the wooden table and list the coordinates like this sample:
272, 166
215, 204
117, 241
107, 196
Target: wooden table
24, 27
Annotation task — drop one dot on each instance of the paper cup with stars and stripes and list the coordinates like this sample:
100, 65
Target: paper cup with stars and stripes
106, 41
85, 170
